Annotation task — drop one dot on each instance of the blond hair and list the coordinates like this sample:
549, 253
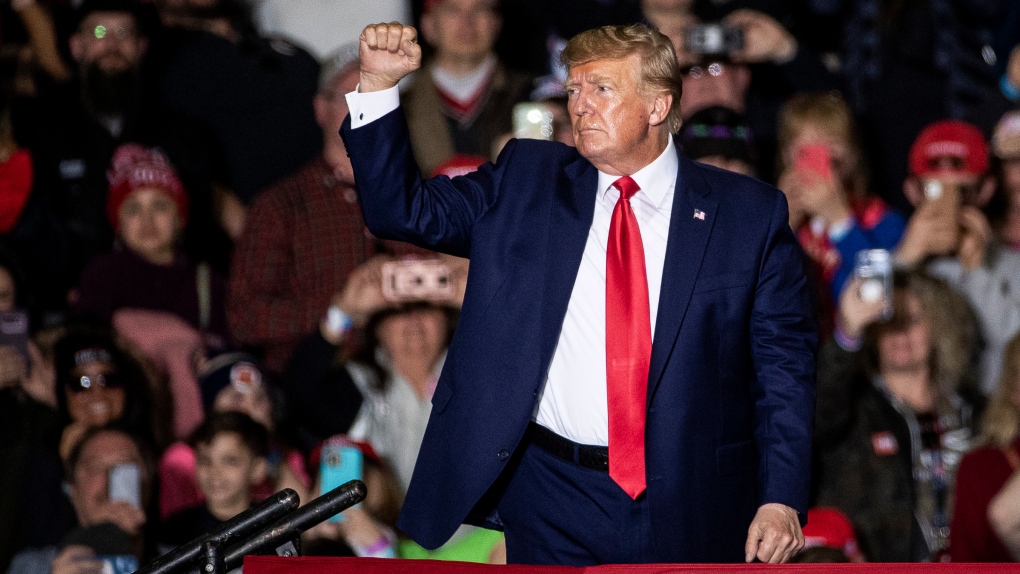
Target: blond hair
1001, 421
952, 329
829, 114
660, 71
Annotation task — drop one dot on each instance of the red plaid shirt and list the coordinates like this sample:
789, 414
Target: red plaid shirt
303, 237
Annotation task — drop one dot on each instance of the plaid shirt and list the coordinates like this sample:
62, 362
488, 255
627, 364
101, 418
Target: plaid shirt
304, 235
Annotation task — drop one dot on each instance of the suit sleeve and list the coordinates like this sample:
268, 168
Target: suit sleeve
783, 345
398, 203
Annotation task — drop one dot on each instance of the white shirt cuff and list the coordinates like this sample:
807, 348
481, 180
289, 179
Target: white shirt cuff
366, 107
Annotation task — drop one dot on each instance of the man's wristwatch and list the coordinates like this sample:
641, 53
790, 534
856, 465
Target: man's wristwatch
337, 323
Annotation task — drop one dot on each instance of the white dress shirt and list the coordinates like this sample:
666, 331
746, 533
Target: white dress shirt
573, 402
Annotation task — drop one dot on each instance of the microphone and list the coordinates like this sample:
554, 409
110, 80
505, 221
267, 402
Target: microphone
237, 527
291, 526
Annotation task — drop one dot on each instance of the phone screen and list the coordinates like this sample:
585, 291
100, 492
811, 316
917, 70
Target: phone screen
14, 331
340, 464
815, 158
125, 483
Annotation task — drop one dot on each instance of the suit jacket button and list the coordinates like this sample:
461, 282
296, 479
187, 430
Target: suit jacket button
503, 454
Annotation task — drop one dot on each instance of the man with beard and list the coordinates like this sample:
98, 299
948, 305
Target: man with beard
73, 130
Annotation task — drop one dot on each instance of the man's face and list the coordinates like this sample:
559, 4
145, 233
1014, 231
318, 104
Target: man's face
89, 485
110, 40
610, 114
462, 28
331, 105
95, 396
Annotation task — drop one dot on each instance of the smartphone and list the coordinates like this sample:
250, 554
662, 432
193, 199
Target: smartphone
533, 121
118, 563
875, 268
14, 331
713, 38
341, 463
416, 279
814, 158
125, 483
945, 200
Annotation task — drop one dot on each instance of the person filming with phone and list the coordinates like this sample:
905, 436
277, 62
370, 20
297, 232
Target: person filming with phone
109, 484
949, 184
888, 393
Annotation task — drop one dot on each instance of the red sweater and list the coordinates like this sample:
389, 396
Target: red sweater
982, 473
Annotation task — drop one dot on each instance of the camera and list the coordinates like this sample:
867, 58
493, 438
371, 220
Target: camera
713, 39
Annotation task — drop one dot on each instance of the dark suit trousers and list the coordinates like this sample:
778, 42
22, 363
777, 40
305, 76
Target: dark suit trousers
556, 512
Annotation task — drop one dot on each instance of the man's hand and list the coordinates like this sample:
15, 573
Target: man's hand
929, 232
361, 296
975, 235
125, 515
76, 559
765, 39
387, 53
774, 535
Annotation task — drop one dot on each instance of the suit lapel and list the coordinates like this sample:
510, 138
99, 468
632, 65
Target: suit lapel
569, 222
690, 226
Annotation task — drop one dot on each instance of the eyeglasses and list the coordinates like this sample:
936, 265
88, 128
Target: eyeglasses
87, 382
715, 69
102, 32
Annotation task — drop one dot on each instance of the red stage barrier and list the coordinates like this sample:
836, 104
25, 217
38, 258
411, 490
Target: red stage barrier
314, 565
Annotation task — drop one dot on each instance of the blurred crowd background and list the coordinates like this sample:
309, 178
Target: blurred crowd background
194, 316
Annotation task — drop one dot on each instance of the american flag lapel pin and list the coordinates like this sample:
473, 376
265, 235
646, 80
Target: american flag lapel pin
698, 214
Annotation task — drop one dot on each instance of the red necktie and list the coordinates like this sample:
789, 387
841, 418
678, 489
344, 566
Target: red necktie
628, 343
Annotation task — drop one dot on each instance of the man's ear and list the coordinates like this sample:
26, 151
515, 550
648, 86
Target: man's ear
660, 109
912, 191
986, 191
428, 28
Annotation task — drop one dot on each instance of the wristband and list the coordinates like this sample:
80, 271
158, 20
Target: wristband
1011, 92
338, 322
846, 342
838, 230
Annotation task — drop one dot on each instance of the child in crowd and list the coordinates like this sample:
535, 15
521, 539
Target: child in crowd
822, 171
148, 208
232, 382
230, 451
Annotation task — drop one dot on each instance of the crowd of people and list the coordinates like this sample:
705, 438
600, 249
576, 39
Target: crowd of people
188, 288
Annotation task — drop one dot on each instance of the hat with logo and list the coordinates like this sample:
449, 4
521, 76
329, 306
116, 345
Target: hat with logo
953, 139
137, 167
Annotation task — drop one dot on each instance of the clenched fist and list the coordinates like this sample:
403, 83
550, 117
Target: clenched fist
387, 53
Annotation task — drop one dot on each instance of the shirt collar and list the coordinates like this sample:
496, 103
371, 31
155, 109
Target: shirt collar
656, 179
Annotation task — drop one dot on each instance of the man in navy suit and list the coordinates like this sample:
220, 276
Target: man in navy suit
632, 376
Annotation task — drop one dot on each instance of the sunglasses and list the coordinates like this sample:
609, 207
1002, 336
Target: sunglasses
87, 382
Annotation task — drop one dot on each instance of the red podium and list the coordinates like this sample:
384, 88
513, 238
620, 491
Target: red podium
314, 565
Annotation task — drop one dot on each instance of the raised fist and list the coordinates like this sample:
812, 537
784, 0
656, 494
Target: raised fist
387, 53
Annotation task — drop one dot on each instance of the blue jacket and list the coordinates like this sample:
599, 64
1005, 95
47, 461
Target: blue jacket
731, 380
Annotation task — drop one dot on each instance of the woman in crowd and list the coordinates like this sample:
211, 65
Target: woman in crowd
891, 423
99, 383
148, 207
991, 474
824, 175
387, 390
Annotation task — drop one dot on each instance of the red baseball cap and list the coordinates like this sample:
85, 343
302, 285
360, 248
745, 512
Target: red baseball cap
830, 527
949, 139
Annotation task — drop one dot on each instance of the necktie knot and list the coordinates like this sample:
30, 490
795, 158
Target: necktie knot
627, 186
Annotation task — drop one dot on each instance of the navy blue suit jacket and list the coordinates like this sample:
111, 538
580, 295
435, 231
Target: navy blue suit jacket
731, 383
